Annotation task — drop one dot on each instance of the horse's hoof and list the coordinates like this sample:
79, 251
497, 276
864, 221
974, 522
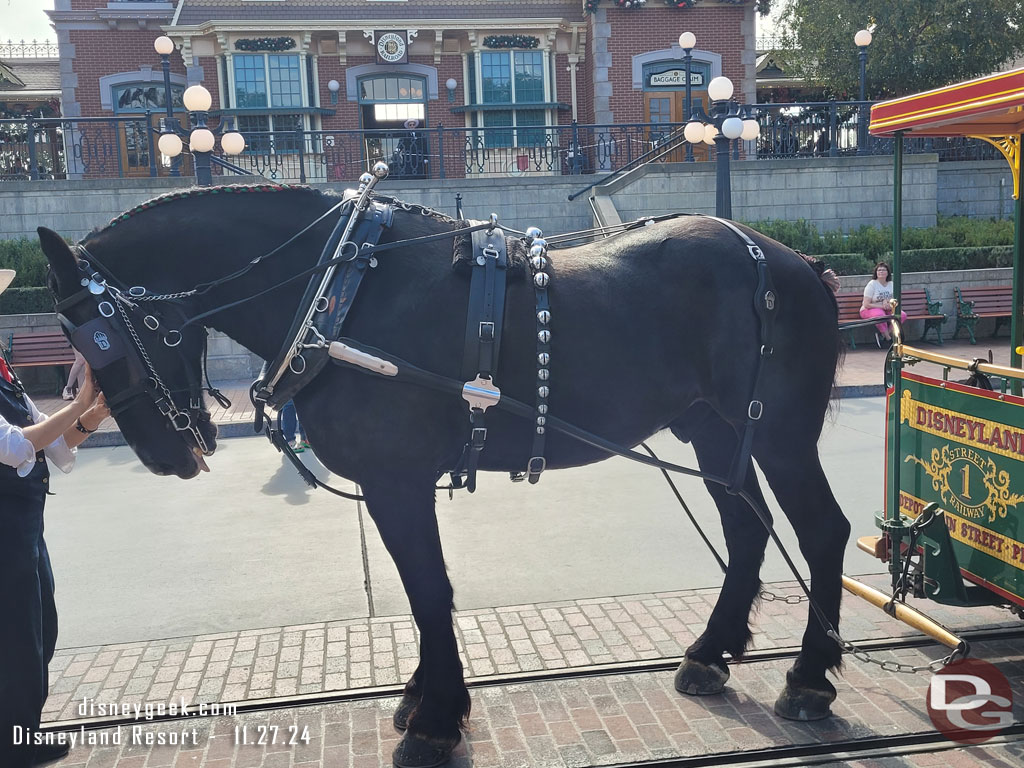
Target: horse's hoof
804, 704
404, 712
695, 678
420, 752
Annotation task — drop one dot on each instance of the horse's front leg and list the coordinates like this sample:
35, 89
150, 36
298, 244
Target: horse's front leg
704, 671
436, 703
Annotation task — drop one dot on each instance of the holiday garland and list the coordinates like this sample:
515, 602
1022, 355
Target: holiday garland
590, 6
511, 41
682, 3
265, 44
630, 3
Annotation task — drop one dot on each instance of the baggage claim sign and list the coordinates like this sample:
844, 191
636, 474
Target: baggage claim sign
964, 449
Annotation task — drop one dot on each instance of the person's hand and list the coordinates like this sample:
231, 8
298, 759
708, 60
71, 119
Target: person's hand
87, 394
96, 414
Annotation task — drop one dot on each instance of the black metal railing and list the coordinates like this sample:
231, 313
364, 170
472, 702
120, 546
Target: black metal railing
85, 147
57, 148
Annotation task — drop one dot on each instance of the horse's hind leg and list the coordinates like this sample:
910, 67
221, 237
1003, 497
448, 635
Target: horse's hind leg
436, 704
704, 671
798, 482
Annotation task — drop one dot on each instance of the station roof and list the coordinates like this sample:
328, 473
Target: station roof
196, 12
988, 106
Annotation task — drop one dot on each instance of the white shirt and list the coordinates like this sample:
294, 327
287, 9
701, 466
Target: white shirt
17, 451
875, 292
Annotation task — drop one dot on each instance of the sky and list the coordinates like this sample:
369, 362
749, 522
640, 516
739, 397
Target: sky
25, 20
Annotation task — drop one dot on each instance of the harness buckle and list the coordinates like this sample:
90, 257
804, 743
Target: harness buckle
769, 300
163, 406
487, 331
755, 410
755, 252
479, 437
490, 251
536, 465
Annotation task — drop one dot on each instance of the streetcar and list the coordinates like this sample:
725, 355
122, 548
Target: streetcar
952, 526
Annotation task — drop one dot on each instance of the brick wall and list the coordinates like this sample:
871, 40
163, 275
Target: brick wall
655, 27
106, 52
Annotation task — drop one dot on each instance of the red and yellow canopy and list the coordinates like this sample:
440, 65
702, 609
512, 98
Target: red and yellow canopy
990, 108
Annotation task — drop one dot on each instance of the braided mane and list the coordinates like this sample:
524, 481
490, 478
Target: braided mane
199, 191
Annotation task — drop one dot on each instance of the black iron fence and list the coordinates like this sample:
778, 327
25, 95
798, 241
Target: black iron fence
58, 148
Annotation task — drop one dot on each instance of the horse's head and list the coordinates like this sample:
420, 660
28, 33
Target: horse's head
150, 374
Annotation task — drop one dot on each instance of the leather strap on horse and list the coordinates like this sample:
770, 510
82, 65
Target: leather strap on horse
541, 278
764, 306
484, 320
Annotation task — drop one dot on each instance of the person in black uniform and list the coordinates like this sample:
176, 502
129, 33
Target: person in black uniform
28, 615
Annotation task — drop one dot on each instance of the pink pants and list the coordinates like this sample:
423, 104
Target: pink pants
883, 328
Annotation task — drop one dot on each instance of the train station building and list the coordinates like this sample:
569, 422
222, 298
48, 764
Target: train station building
366, 65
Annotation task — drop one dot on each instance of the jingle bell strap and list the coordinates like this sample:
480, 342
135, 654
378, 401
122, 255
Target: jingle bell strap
539, 265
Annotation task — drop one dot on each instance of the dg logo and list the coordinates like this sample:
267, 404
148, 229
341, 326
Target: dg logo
970, 701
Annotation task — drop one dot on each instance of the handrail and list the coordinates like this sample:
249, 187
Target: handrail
671, 140
232, 167
1002, 371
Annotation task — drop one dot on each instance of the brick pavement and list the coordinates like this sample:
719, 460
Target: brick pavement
361, 653
571, 722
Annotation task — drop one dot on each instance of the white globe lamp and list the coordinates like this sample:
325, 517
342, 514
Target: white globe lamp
201, 140
169, 145
720, 89
751, 129
163, 45
732, 127
710, 132
197, 99
232, 143
693, 132
687, 40
862, 39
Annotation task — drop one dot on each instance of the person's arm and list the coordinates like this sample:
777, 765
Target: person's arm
90, 421
869, 296
51, 428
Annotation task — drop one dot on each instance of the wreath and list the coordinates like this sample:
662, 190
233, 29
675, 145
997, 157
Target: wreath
511, 41
265, 44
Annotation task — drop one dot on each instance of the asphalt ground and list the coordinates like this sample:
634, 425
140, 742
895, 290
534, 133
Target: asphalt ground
140, 557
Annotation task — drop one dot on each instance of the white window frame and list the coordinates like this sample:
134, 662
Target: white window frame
303, 95
513, 106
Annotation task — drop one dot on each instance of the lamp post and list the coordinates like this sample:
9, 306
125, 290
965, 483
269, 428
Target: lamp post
862, 40
201, 139
728, 121
164, 46
687, 41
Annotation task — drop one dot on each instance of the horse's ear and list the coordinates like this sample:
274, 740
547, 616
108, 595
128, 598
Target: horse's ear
62, 260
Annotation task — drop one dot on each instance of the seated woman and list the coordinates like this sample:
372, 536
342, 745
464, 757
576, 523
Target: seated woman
878, 302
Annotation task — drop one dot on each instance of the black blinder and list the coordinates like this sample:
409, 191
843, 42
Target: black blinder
99, 343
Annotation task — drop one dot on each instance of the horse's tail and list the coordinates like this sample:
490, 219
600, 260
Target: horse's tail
830, 282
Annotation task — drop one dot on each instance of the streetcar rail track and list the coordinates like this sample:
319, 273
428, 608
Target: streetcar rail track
514, 678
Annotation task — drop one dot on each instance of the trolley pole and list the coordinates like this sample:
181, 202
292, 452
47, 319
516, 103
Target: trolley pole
1016, 321
893, 470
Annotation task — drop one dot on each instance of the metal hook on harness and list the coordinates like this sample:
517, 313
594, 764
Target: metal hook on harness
299, 367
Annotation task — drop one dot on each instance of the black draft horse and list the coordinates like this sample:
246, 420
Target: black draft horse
651, 329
